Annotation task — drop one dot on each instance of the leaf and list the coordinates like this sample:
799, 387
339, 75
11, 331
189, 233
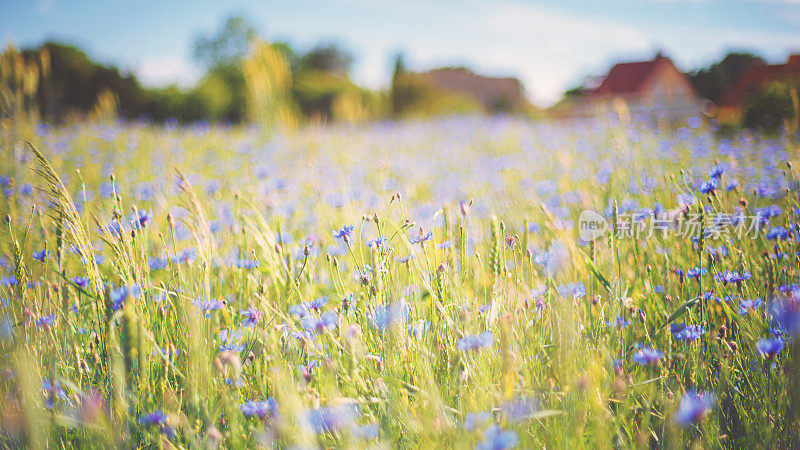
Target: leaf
680, 311
595, 271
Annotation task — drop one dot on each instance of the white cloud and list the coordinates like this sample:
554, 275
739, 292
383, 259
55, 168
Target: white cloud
165, 70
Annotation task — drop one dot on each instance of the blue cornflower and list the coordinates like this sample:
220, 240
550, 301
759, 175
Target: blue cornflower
693, 407
619, 322
229, 342
141, 219
696, 272
46, 321
344, 233
716, 171
574, 289
332, 418
251, 316
82, 282
187, 255
779, 233
420, 238
730, 276
154, 418
769, 347
495, 438
646, 356
41, 255
122, 293
54, 391
748, 305
384, 316
474, 420
156, 263
260, 408
209, 305
317, 303
245, 263
300, 310
709, 186
379, 243
786, 316
684, 332
326, 321
475, 341
731, 184
445, 244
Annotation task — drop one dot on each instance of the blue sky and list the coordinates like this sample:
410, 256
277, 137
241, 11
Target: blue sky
549, 45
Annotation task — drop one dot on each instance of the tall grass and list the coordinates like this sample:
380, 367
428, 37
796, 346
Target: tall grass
226, 304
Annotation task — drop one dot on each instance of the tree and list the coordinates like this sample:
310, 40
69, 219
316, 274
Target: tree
228, 46
327, 58
713, 81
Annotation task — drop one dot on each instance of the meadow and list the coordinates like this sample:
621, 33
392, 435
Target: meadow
399, 285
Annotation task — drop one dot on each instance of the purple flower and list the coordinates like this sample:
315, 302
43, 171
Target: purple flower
647, 356
54, 391
229, 342
786, 316
384, 316
245, 263
475, 341
251, 316
327, 321
576, 290
693, 407
474, 420
748, 305
620, 322
344, 233
41, 255
696, 272
709, 186
770, 347
684, 332
140, 220
495, 438
155, 418
82, 282
332, 418
260, 408
186, 255
779, 233
419, 239
46, 321
122, 293
729, 276
156, 263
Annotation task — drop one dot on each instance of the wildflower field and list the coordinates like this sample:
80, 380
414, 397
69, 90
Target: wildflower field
432, 284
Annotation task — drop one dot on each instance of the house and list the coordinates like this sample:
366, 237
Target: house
754, 79
653, 87
495, 94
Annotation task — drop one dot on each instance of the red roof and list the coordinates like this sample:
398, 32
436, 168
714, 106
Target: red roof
628, 78
757, 76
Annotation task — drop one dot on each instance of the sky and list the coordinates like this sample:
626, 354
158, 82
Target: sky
549, 45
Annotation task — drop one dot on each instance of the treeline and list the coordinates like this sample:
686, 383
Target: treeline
244, 79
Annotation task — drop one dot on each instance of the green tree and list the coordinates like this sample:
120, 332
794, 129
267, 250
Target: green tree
228, 46
712, 82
